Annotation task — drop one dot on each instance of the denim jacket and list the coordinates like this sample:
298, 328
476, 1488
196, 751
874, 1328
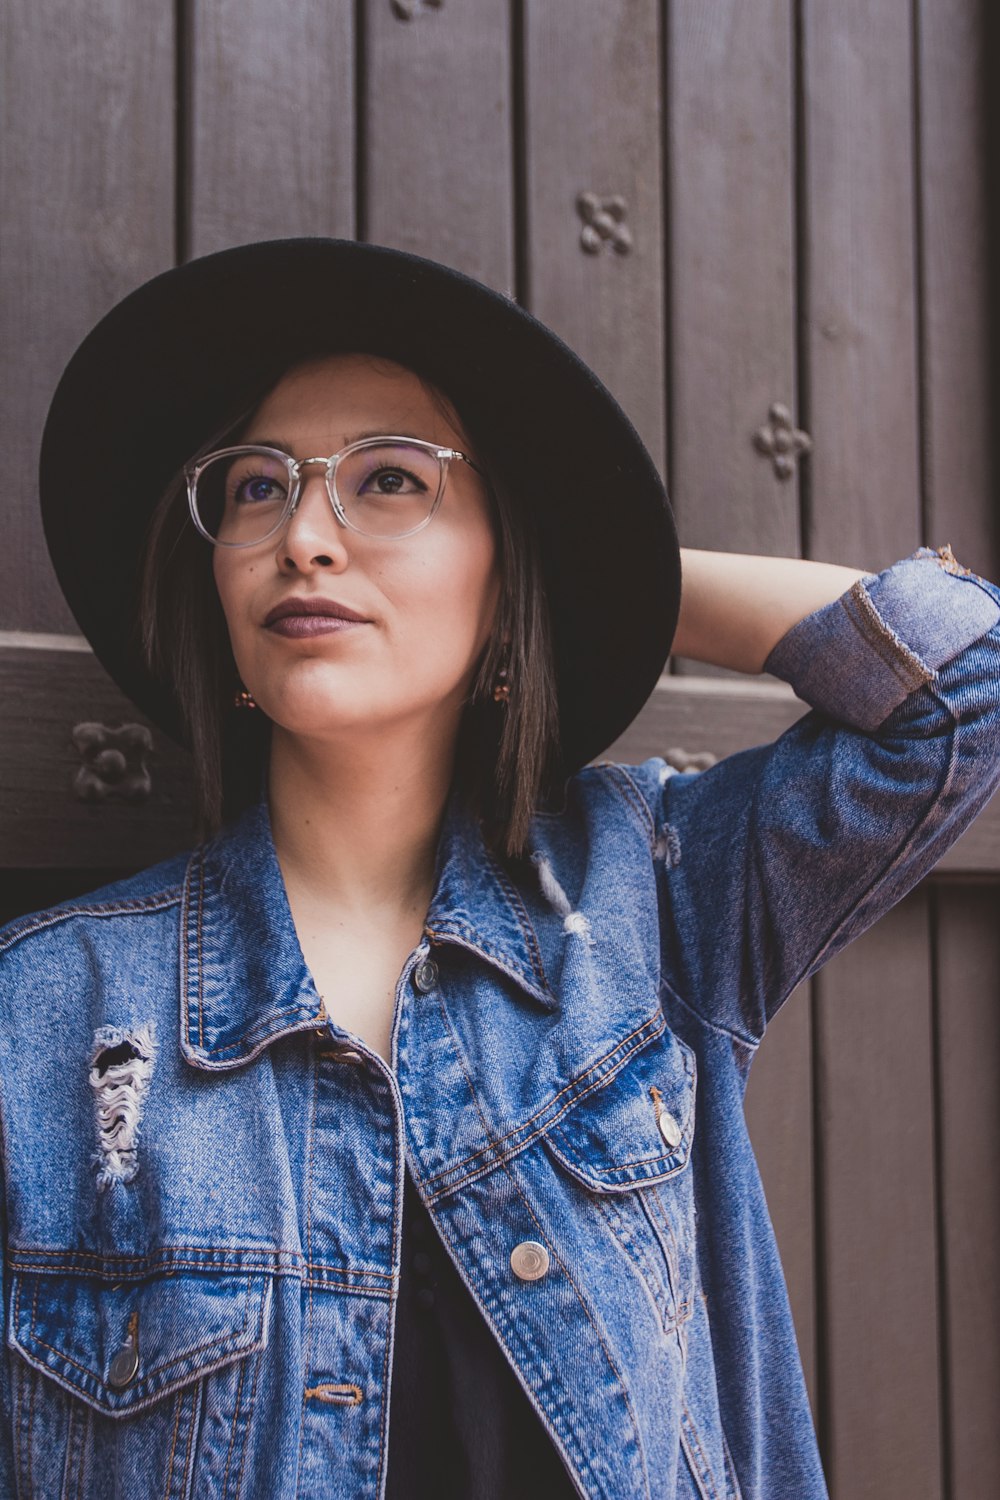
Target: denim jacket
203, 1179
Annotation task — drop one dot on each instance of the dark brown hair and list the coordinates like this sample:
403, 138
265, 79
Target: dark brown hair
507, 756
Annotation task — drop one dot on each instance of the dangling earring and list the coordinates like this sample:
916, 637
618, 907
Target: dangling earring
244, 699
501, 686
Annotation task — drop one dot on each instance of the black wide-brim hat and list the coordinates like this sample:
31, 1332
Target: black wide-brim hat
177, 357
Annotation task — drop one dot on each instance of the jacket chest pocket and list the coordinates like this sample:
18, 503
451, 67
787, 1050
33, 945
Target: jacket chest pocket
628, 1143
132, 1388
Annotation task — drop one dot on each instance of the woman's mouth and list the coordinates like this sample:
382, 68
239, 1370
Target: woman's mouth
302, 625
311, 614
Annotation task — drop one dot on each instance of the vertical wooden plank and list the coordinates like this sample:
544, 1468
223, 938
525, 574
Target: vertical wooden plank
779, 1115
730, 134
861, 335
592, 125
86, 174
968, 1029
878, 1251
958, 469
439, 145
270, 121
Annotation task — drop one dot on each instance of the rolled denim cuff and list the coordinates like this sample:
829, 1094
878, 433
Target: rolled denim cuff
857, 658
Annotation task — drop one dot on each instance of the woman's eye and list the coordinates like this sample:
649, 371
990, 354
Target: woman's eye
389, 481
257, 489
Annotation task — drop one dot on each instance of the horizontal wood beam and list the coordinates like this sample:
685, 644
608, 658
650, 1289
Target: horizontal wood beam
72, 798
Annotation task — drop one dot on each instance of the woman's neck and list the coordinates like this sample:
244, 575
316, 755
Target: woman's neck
358, 831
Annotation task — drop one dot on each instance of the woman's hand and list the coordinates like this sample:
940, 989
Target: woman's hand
736, 607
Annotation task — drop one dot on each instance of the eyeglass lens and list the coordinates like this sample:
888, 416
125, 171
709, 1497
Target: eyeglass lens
386, 489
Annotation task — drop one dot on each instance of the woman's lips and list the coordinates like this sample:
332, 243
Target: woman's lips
298, 625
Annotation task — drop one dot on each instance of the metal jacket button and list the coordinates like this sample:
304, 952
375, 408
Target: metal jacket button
669, 1128
529, 1260
425, 975
124, 1365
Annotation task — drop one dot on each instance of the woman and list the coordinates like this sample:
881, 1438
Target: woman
392, 1141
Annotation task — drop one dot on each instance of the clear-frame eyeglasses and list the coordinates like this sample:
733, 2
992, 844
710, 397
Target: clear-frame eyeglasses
380, 486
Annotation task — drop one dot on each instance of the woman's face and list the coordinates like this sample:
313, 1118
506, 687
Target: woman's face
427, 600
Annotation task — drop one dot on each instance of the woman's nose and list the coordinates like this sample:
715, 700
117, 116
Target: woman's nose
312, 536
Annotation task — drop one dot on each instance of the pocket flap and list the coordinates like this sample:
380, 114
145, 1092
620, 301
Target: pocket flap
636, 1128
122, 1346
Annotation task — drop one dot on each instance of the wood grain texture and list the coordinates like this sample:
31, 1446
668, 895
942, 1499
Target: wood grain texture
731, 270
959, 472
861, 309
881, 1325
779, 1112
593, 124
42, 822
968, 1062
439, 146
86, 172
270, 127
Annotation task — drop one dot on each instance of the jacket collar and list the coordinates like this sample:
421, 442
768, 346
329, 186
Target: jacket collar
244, 980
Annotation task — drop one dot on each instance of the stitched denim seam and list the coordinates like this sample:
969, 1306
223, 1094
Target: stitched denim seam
85, 1414
86, 1260
29, 1388
68, 1469
43, 920
562, 1147
669, 1320
173, 1443
731, 1474
628, 789
383, 1294
704, 1466
197, 1406
383, 1446
579, 1160
452, 927
234, 1425
107, 1271
229, 1338
309, 1329
671, 1247
524, 921
656, 1021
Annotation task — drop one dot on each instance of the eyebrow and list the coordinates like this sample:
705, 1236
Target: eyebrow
356, 437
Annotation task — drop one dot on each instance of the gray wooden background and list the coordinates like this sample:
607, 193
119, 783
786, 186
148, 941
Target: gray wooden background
726, 206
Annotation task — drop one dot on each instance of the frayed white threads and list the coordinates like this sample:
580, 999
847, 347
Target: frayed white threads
574, 922
121, 1066
668, 846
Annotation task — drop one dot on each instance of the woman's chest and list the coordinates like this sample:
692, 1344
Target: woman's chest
356, 972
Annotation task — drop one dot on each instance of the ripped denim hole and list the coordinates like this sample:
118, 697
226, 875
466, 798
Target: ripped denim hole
121, 1065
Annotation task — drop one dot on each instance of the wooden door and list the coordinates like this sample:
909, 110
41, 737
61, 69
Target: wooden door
764, 223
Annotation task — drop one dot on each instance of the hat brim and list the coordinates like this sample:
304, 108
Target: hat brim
167, 365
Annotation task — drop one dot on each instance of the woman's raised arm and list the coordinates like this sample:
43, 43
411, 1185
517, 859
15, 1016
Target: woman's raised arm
780, 855
735, 607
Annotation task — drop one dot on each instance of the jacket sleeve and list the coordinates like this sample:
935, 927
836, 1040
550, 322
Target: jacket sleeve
779, 856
